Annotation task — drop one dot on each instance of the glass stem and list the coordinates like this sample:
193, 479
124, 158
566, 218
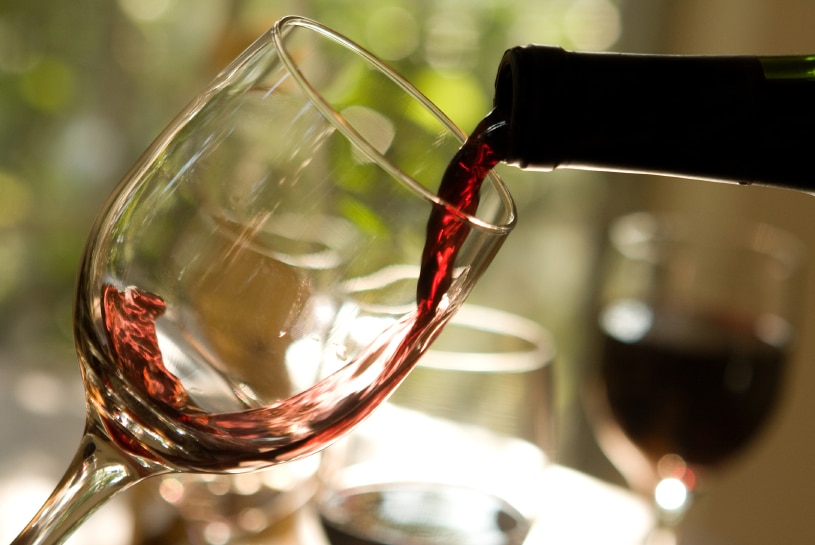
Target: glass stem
666, 529
97, 473
662, 534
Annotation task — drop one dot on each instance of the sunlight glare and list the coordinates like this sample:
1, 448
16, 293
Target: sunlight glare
628, 320
671, 494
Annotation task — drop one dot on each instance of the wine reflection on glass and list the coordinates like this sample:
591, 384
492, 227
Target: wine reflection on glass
222, 320
457, 453
694, 333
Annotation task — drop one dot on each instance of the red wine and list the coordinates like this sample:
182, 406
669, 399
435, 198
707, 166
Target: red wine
700, 386
130, 320
459, 187
420, 514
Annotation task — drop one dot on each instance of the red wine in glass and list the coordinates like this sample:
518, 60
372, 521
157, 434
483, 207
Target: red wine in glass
216, 441
181, 431
700, 386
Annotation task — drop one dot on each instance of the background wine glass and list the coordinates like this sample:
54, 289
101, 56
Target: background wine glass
695, 326
456, 454
205, 345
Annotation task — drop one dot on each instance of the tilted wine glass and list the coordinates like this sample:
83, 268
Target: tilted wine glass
248, 294
696, 323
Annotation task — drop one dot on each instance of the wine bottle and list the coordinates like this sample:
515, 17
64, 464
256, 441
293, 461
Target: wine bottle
743, 119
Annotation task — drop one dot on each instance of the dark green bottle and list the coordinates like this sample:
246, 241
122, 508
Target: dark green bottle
742, 119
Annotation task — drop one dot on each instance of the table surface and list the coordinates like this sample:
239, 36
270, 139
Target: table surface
41, 419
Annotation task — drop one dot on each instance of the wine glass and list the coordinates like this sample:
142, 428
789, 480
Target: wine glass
457, 454
248, 293
694, 330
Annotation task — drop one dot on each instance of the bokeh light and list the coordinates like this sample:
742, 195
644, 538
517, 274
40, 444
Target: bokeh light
592, 25
16, 200
671, 494
145, 10
393, 32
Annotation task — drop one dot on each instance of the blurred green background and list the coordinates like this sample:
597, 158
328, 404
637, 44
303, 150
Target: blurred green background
86, 85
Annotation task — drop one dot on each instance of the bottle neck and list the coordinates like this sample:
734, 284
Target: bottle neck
742, 119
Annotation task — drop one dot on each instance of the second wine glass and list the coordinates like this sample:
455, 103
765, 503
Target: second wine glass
458, 454
248, 294
695, 325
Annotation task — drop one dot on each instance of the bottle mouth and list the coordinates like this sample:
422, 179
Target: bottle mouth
526, 86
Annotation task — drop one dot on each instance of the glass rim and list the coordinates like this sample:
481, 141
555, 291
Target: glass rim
335, 118
756, 236
539, 353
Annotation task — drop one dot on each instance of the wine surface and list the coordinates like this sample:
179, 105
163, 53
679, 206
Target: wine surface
700, 386
420, 514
